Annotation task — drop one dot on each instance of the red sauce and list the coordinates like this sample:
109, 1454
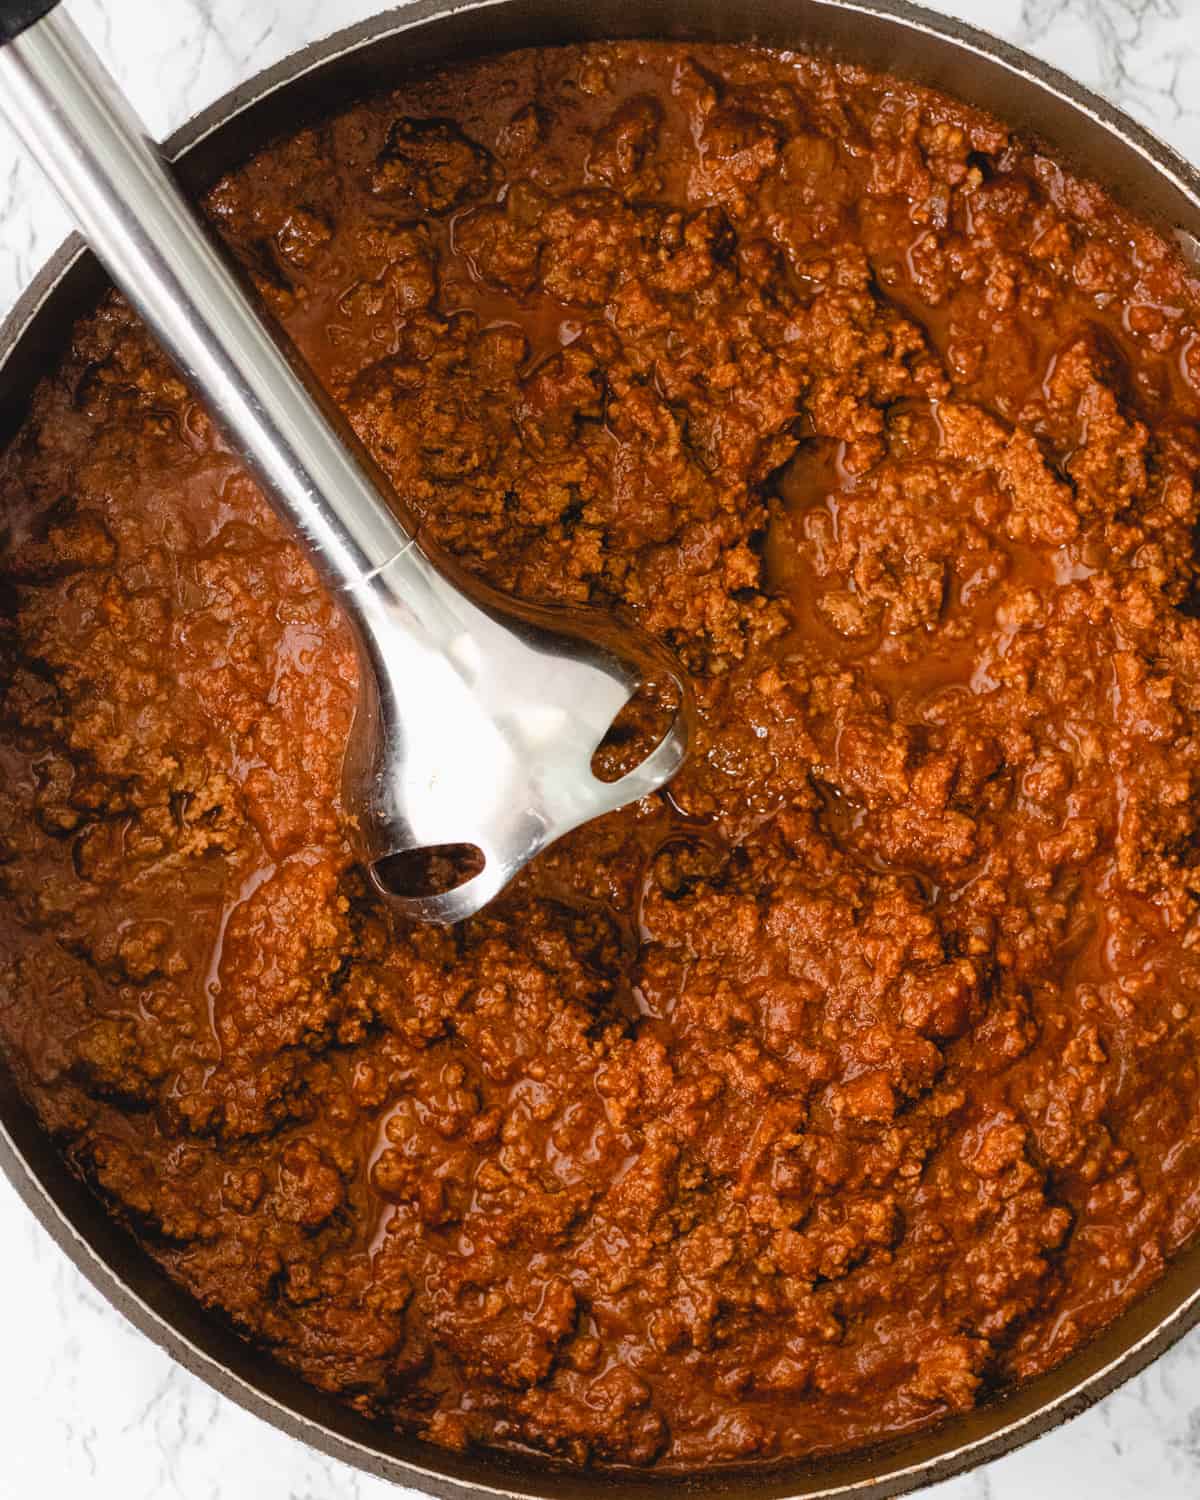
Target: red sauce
850, 1081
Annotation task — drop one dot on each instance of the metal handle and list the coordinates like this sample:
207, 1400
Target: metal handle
478, 718
61, 101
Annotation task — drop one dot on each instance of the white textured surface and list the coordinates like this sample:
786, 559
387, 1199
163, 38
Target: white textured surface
90, 1408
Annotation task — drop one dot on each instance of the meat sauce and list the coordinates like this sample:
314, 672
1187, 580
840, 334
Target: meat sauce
845, 1084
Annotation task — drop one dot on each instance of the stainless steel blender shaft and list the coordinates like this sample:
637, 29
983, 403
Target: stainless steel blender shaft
86, 137
478, 717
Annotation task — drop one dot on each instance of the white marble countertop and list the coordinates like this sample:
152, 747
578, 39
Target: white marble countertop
96, 1411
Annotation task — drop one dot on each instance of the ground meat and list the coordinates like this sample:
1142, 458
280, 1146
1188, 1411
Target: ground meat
840, 1087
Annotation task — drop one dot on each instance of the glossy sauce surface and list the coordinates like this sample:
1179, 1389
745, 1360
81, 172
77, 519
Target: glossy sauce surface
850, 1081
